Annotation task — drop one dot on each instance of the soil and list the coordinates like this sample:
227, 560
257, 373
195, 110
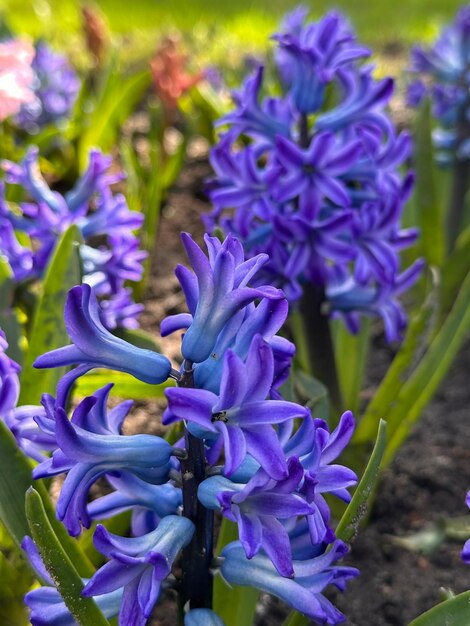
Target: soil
426, 483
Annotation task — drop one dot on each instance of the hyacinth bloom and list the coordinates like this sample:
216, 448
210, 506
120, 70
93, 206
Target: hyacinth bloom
139, 565
169, 74
56, 87
441, 71
95, 346
304, 590
240, 415
219, 289
87, 455
275, 471
100, 214
466, 549
16, 76
21, 420
312, 177
46, 605
257, 508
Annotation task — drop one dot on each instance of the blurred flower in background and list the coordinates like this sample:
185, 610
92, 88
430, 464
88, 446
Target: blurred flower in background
16, 76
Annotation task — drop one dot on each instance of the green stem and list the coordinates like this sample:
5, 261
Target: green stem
460, 182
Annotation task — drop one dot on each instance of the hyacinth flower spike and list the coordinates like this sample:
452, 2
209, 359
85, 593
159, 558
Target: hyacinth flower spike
139, 565
94, 345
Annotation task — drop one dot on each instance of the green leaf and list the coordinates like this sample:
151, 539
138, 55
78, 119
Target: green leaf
418, 390
173, 165
119, 97
312, 393
137, 337
15, 480
455, 270
235, 605
453, 612
296, 619
59, 566
349, 523
125, 385
48, 328
429, 212
412, 347
351, 366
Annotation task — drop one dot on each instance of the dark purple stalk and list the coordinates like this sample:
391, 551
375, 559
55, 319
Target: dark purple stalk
316, 324
197, 556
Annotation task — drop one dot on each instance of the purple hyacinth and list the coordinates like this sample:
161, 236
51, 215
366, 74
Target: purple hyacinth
441, 71
322, 195
46, 604
304, 590
240, 417
56, 87
138, 565
273, 473
110, 254
21, 420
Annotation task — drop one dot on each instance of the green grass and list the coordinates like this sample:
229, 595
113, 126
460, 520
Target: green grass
377, 21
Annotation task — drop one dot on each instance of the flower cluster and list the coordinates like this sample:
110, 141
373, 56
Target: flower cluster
21, 419
266, 463
110, 253
16, 76
312, 178
55, 86
441, 71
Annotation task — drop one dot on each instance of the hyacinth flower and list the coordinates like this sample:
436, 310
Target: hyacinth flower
246, 453
440, 71
313, 178
56, 88
95, 346
303, 591
46, 604
110, 253
138, 565
21, 420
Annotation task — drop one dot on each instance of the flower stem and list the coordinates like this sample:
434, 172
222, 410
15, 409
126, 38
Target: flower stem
320, 343
317, 330
196, 585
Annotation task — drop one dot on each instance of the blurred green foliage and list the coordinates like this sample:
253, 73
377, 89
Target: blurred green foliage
224, 29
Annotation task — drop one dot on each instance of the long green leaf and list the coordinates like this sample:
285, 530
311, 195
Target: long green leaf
386, 394
418, 390
429, 211
119, 98
235, 605
125, 385
455, 270
59, 566
15, 480
452, 612
351, 364
349, 523
296, 619
48, 329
